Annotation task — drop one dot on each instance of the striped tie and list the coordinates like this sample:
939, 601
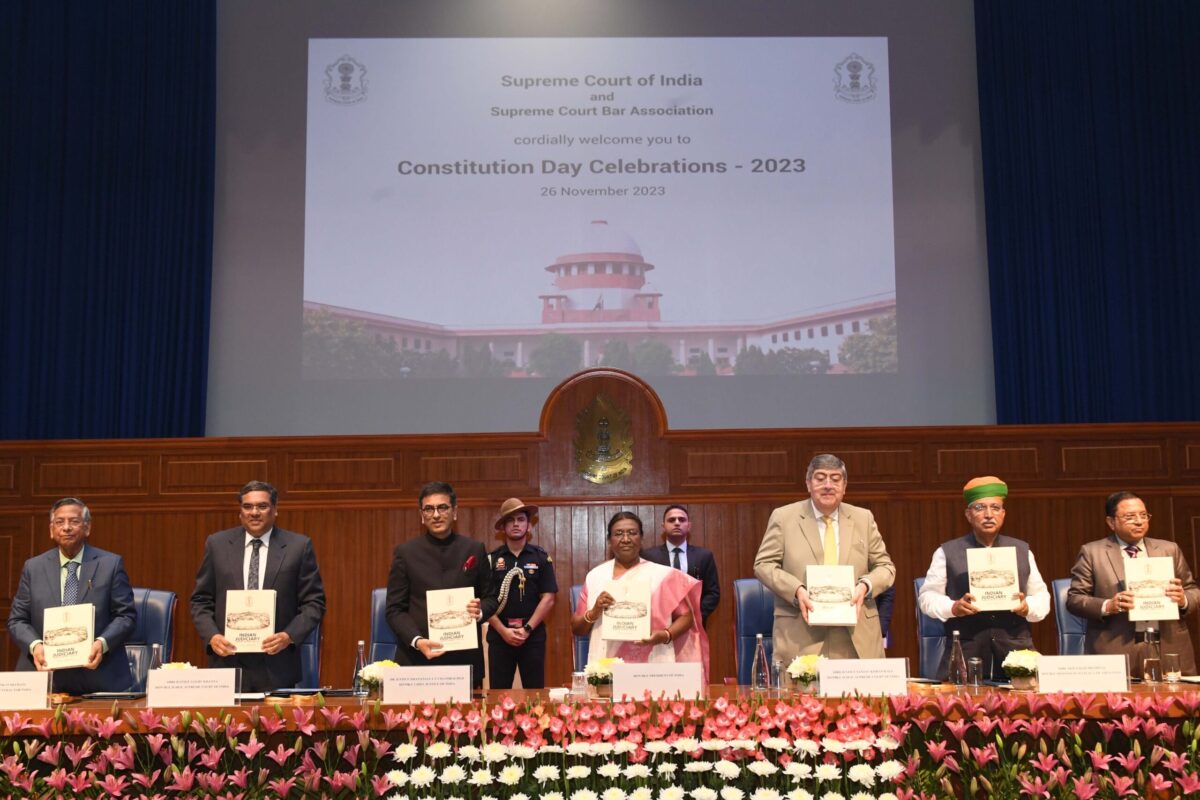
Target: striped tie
1131, 550
71, 587
252, 578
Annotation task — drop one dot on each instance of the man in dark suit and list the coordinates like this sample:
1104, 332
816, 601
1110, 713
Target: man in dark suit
1100, 595
437, 559
76, 572
692, 559
235, 559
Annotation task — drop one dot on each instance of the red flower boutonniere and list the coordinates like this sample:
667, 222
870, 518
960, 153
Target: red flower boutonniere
469, 564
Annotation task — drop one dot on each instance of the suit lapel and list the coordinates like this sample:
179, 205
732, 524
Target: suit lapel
845, 534
52, 573
87, 573
1116, 561
274, 559
810, 530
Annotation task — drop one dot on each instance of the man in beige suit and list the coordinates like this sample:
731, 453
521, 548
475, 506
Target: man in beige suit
810, 532
1098, 592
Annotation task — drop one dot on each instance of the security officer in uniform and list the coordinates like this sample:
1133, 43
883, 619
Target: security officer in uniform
517, 633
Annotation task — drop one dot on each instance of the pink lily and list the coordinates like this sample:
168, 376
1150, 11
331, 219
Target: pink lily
1189, 783
1085, 788
1035, 787
1129, 761
280, 755
304, 721
282, 787
1123, 785
113, 786
251, 748
182, 780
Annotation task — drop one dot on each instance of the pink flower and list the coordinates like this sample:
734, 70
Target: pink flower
51, 754
57, 780
1175, 762
333, 715
1158, 783
114, 786
280, 755
1085, 789
12, 767
212, 782
75, 755
958, 727
106, 728
1123, 785
1035, 787
1129, 761
1189, 783
272, 725
985, 755
251, 748
938, 751
1129, 725
986, 725
80, 781
182, 780
146, 781
212, 757
343, 780
282, 788
1099, 760
16, 723
304, 721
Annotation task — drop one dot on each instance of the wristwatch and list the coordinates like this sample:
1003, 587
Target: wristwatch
527, 628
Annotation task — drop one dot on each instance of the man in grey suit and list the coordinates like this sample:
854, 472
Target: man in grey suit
76, 572
824, 530
678, 552
1099, 594
234, 559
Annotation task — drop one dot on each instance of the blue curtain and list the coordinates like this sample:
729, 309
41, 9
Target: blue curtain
106, 192
1090, 118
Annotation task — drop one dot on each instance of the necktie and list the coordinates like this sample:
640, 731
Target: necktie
831, 553
675, 557
1131, 550
71, 587
252, 581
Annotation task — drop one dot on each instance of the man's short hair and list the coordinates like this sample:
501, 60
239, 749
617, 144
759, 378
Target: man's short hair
674, 506
437, 487
72, 501
620, 515
1115, 499
260, 486
826, 461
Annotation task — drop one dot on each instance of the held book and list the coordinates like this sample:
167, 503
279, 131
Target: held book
67, 635
249, 618
450, 623
1147, 579
992, 575
627, 619
831, 590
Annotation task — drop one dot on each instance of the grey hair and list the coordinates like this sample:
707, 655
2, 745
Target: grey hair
72, 501
826, 461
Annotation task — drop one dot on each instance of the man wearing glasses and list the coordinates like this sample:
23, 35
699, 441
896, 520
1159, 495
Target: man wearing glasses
824, 530
259, 555
437, 559
946, 595
1100, 595
75, 572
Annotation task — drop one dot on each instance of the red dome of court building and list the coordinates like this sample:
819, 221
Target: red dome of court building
605, 281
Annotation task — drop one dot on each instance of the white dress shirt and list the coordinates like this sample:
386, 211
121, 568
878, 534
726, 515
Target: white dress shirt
262, 558
934, 601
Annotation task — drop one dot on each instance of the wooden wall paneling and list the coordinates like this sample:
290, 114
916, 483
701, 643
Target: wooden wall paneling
1189, 457
18, 542
1129, 460
712, 465
211, 473
956, 463
10, 471
92, 475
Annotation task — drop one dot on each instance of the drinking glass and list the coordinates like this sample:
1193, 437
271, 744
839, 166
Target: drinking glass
1151, 669
1171, 666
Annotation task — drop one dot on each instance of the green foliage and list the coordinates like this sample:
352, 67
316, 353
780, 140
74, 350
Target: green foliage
751, 361
797, 361
617, 355
653, 358
336, 348
874, 351
556, 356
701, 364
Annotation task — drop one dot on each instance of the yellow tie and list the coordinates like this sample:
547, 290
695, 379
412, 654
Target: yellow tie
831, 553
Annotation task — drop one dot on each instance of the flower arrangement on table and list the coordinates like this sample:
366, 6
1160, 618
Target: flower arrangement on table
372, 675
177, 665
600, 673
1021, 664
803, 669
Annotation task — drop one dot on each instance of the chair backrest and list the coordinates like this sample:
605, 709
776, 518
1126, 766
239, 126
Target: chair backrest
155, 624
931, 637
310, 660
580, 644
383, 638
1072, 630
753, 613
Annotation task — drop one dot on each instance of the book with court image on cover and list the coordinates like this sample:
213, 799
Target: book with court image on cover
68, 633
249, 618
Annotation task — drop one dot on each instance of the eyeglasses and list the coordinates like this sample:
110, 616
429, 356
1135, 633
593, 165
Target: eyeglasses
68, 524
1128, 518
248, 507
979, 508
429, 511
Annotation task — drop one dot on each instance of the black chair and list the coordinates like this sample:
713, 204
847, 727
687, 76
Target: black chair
383, 638
580, 644
155, 609
1072, 630
931, 637
753, 613
310, 660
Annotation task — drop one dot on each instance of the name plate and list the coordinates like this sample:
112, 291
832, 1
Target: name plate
407, 685
196, 688
673, 679
863, 676
1083, 674
22, 691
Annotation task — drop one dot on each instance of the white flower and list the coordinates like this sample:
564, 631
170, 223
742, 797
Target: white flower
578, 772
828, 772
494, 752
579, 749
804, 667
625, 746
609, 770
372, 674
552, 796
798, 770
703, 793
763, 769
546, 749
808, 747
698, 766
732, 793
669, 793
519, 796
469, 753
657, 747
613, 793
641, 793
601, 749
453, 774
1021, 663
886, 743
714, 745
512, 774
765, 794
404, 752
601, 668
887, 796
890, 769
438, 750
727, 770
686, 745
833, 745
858, 745
862, 773
422, 776
749, 745
775, 743
546, 772
799, 794
398, 777
481, 777
832, 796
862, 796
637, 772
583, 794
667, 768
522, 751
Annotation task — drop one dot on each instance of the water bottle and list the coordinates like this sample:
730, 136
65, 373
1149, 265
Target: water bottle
155, 656
958, 664
760, 679
1151, 657
777, 674
360, 661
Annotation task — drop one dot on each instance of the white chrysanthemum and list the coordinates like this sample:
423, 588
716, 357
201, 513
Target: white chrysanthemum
886, 743
703, 793
579, 749
602, 749
578, 772
732, 793
714, 745
481, 777
657, 747
546, 749
637, 772
763, 769
749, 745
887, 796
858, 745
438, 750
798, 770
727, 770
399, 796
862, 773
808, 747
765, 794
796, 794
552, 796
641, 793
670, 793
512, 774
685, 744
453, 774
469, 753
862, 796
775, 743
698, 766
546, 772
624, 746
828, 772
522, 751
613, 793
890, 769
398, 777
833, 745
422, 776
583, 794
609, 770
667, 768
833, 796
404, 752
494, 752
